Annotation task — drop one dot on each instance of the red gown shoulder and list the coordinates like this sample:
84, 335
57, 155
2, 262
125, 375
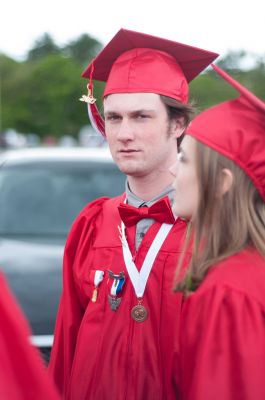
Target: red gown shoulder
222, 346
22, 373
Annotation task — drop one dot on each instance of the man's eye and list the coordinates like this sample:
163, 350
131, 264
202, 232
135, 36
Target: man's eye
112, 118
143, 116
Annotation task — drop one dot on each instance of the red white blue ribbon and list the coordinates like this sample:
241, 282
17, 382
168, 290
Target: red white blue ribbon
116, 286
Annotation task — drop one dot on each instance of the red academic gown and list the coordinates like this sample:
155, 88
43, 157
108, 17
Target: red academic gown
103, 354
223, 333
22, 372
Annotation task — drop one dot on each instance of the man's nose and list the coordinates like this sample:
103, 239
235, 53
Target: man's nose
126, 131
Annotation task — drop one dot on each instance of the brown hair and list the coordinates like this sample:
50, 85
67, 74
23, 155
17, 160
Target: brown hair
224, 224
175, 109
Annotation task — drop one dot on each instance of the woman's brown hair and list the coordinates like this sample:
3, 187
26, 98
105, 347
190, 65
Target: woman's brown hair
224, 224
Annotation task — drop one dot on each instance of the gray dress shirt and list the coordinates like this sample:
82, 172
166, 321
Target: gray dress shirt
143, 225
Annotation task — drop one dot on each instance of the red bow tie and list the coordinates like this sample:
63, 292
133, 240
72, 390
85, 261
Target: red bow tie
160, 211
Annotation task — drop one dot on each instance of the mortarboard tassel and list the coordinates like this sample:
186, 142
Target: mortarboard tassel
96, 120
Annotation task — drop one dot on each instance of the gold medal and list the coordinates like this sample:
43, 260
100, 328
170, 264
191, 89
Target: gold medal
139, 313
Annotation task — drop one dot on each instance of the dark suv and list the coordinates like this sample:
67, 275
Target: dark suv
41, 193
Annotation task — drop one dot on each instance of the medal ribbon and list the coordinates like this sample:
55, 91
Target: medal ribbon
139, 279
98, 277
116, 287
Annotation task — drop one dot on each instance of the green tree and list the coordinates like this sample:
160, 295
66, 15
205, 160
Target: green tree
10, 70
232, 60
83, 49
255, 79
42, 94
208, 89
43, 47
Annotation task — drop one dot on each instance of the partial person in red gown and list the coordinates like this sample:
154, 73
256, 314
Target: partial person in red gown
118, 315
23, 375
220, 188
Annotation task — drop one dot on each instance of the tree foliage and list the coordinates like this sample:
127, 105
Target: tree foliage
41, 94
210, 89
43, 47
82, 49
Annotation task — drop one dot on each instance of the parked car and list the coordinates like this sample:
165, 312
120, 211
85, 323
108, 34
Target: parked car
41, 192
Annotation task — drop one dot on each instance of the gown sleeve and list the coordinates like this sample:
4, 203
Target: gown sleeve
71, 307
222, 346
23, 375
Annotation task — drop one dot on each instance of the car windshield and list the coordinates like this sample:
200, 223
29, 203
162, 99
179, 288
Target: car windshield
43, 199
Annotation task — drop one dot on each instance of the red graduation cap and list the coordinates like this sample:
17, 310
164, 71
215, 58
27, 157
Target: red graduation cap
236, 129
134, 62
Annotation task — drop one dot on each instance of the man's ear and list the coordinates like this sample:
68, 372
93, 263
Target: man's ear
226, 181
178, 126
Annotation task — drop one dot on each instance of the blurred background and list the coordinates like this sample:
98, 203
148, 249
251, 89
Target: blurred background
44, 50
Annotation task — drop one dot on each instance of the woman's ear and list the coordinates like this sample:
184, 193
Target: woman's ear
226, 181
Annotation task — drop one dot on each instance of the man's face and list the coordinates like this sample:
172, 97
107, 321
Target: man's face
141, 138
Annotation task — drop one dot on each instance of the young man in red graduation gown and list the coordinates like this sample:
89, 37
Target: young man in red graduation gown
118, 318
22, 372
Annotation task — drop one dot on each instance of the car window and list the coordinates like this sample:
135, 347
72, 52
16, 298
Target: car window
43, 199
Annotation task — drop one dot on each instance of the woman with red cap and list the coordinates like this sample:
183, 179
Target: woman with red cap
22, 372
220, 188
116, 327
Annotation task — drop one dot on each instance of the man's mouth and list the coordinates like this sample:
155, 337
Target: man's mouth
128, 151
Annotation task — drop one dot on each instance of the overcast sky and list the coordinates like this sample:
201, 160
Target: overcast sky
217, 25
